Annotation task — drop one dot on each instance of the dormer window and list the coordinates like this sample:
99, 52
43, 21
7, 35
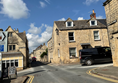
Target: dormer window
69, 24
93, 22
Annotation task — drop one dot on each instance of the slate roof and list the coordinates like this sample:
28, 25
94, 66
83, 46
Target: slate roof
81, 24
39, 47
22, 36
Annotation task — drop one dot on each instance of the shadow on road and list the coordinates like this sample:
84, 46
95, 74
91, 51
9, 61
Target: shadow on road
38, 63
34, 72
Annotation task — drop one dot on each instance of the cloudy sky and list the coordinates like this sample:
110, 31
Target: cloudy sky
36, 17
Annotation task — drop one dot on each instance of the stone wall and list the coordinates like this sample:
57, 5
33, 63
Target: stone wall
111, 10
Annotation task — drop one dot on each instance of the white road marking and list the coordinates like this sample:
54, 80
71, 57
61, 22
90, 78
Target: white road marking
96, 66
79, 66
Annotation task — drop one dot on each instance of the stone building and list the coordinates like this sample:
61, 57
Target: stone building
38, 51
111, 9
69, 36
18, 52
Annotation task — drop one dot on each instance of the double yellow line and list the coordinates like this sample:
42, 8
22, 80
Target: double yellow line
108, 79
30, 79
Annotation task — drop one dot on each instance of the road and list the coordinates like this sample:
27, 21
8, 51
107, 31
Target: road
62, 74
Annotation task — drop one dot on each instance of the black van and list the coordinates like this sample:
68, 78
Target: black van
93, 55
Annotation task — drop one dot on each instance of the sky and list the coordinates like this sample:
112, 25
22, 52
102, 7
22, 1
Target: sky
37, 17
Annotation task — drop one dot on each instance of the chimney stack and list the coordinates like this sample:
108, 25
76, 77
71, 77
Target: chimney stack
43, 43
1, 29
93, 14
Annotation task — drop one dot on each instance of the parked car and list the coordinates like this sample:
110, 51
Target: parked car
95, 55
33, 59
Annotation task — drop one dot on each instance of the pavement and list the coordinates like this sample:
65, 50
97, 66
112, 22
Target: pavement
109, 72
21, 79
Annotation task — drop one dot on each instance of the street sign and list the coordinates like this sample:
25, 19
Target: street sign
3, 41
2, 36
1, 48
0, 65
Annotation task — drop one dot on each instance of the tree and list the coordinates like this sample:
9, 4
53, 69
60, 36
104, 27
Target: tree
44, 53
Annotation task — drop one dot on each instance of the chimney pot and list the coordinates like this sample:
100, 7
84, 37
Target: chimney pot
93, 14
93, 11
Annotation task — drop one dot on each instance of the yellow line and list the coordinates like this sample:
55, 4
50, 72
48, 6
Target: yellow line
29, 79
32, 79
108, 79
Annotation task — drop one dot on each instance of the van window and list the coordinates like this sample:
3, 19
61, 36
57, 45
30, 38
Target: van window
107, 49
89, 51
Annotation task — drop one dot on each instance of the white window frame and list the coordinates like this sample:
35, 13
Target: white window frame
69, 36
67, 24
95, 22
75, 51
10, 62
11, 47
98, 36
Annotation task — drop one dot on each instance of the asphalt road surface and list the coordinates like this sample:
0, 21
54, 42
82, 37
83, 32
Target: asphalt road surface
62, 74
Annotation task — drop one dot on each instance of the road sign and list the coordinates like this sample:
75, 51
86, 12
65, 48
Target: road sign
3, 41
2, 36
0, 65
1, 48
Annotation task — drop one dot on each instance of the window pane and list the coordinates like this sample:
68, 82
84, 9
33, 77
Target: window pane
95, 32
92, 22
7, 65
3, 61
10, 47
16, 63
71, 34
72, 51
13, 47
7, 61
11, 34
71, 38
69, 23
96, 37
3, 65
12, 62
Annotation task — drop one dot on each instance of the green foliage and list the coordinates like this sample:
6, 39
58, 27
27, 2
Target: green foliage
44, 53
47, 50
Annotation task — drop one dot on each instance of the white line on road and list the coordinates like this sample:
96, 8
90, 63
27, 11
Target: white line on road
79, 66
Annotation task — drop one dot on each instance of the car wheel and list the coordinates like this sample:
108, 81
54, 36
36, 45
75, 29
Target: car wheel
89, 62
